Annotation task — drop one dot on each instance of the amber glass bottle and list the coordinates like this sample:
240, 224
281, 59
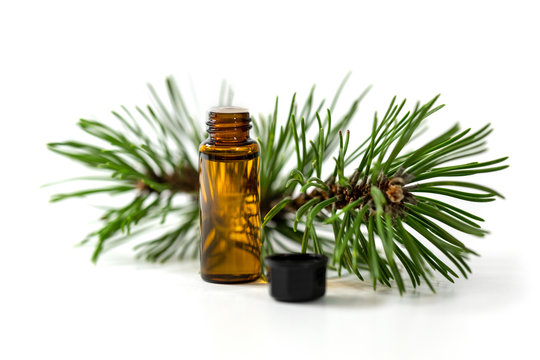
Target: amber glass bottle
229, 199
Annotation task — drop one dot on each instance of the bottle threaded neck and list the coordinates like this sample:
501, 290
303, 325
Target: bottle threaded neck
228, 124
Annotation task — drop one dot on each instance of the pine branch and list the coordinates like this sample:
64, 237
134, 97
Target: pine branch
153, 158
377, 212
379, 207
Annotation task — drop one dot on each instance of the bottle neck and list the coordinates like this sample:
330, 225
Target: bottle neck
229, 125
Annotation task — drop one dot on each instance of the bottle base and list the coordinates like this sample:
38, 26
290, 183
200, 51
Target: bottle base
229, 279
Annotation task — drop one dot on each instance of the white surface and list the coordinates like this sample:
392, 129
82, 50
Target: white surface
63, 60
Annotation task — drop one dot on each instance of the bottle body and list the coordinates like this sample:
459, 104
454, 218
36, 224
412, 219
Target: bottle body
229, 200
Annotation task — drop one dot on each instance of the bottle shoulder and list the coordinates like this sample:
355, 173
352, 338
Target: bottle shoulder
250, 147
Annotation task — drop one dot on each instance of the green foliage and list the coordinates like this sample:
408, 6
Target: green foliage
153, 157
376, 215
378, 209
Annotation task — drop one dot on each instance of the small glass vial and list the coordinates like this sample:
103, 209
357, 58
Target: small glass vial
229, 199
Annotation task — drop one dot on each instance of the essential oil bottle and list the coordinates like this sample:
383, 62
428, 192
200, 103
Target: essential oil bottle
229, 199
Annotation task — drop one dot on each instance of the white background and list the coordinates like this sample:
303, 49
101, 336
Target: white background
63, 60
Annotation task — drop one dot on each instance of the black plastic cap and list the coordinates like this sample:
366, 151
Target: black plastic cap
296, 277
